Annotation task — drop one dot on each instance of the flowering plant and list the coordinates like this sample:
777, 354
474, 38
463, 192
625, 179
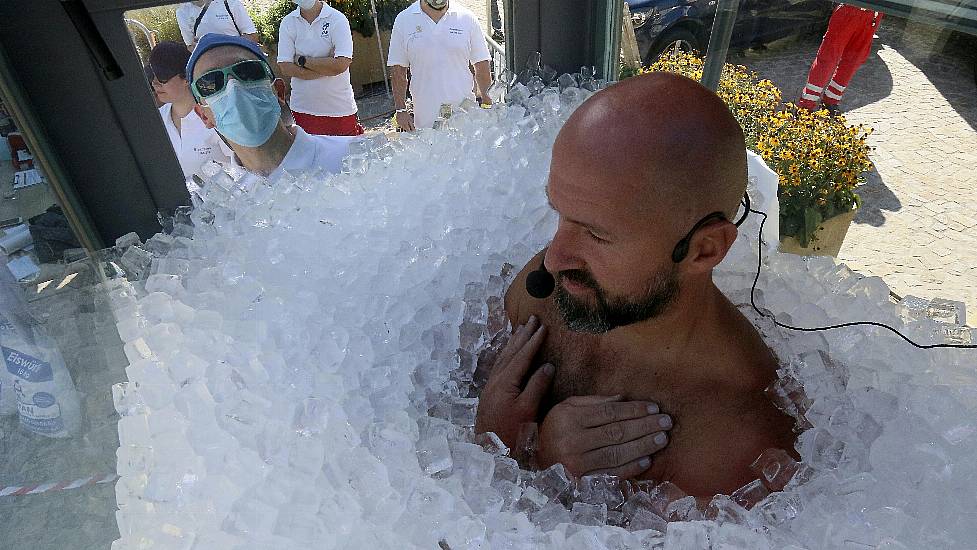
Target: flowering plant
819, 158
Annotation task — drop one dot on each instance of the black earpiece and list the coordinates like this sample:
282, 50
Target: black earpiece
681, 249
540, 283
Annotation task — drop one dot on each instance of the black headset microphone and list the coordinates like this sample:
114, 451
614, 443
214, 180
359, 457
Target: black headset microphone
540, 283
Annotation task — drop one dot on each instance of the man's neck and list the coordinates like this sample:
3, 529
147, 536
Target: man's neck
265, 159
182, 108
676, 334
434, 14
310, 14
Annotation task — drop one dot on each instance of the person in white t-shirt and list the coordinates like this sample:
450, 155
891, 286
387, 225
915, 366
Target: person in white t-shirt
237, 94
315, 49
202, 17
194, 144
437, 41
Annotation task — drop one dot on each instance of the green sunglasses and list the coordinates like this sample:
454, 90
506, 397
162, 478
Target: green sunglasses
214, 81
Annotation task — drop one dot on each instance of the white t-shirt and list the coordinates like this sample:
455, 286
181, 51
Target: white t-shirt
329, 35
217, 20
194, 143
438, 56
310, 152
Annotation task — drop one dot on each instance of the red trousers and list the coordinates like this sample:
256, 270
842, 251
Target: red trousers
845, 47
328, 125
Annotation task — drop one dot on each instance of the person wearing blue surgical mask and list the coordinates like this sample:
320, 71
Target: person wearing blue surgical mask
238, 95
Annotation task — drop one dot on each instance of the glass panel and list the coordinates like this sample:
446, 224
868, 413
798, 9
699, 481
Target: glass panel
61, 355
910, 88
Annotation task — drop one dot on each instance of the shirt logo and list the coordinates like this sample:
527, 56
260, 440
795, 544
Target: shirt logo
419, 29
453, 30
325, 29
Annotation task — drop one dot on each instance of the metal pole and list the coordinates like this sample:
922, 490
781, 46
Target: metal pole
722, 30
383, 62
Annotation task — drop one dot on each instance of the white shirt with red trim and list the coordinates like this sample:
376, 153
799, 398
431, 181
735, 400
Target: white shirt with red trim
328, 35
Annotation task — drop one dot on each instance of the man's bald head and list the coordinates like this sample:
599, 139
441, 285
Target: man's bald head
671, 141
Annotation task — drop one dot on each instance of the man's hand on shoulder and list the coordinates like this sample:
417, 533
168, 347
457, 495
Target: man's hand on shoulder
504, 404
602, 435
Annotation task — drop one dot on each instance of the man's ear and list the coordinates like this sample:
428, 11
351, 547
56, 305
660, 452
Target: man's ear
279, 86
204, 115
709, 246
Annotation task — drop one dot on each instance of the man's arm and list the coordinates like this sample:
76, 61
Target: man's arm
398, 62
398, 81
293, 70
480, 59
327, 66
483, 79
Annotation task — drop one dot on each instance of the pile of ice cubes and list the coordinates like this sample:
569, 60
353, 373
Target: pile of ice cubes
305, 356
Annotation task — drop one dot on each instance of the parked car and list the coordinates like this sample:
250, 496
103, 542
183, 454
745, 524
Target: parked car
662, 25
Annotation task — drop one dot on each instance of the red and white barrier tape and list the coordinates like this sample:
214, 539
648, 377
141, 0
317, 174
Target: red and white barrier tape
15, 491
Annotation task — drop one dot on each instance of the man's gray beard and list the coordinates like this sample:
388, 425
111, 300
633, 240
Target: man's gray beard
608, 314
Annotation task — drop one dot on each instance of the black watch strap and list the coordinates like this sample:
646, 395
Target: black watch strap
301, 61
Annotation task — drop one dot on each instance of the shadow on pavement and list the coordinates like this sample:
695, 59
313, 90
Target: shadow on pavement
947, 59
877, 199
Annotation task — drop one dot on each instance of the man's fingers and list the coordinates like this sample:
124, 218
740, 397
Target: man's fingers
627, 430
607, 412
519, 365
630, 470
615, 456
585, 400
518, 339
536, 388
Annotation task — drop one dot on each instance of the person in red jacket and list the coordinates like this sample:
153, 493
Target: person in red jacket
845, 47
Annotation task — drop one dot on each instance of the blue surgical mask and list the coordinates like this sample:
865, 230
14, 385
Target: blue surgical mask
246, 114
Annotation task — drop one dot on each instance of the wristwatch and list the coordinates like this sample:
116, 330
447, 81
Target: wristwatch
300, 61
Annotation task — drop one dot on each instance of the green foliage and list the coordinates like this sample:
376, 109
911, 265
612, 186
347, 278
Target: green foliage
160, 20
268, 18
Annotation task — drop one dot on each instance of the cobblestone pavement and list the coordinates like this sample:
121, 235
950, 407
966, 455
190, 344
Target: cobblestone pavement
918, 224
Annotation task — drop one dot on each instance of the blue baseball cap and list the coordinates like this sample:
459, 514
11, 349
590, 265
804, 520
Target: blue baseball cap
212, 40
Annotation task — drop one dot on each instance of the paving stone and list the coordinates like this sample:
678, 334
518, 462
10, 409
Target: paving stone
922, 231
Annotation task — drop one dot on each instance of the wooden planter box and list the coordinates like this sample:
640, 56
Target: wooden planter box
367, 66
830, 235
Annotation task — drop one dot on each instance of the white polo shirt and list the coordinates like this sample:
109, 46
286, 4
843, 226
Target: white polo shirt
328, 36
310, 152
438, 56
194, 143
217, 20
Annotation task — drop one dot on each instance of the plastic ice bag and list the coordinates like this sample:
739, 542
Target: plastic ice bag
46, 399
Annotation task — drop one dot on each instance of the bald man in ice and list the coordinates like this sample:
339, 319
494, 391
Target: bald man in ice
630, 334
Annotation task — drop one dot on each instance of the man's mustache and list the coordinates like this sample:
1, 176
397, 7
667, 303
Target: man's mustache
580, 277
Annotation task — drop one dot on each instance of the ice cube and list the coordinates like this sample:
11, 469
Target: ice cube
588, 514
